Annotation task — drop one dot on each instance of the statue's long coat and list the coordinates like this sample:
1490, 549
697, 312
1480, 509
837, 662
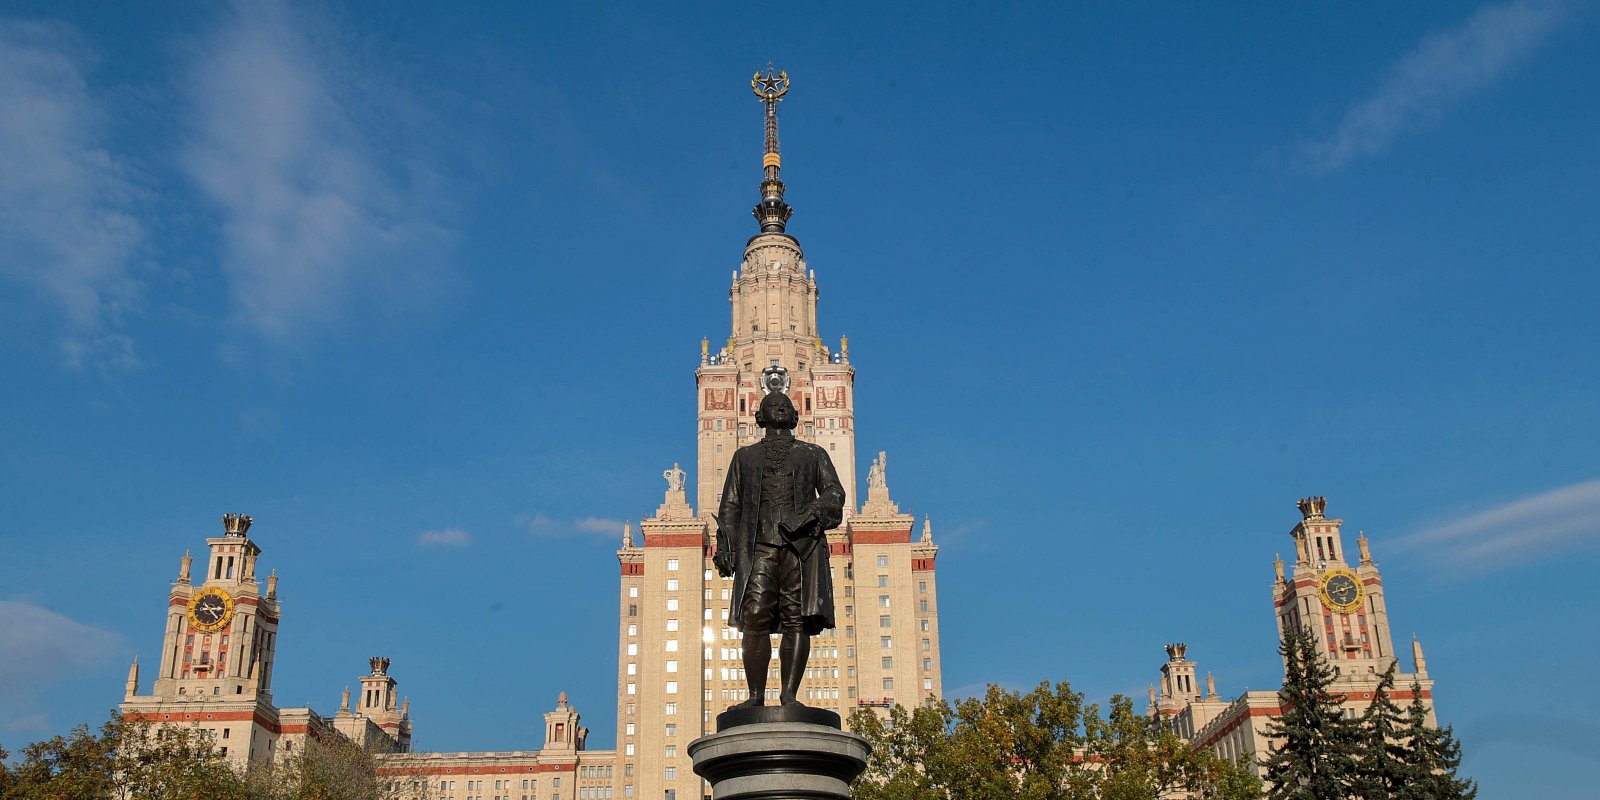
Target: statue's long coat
816, 490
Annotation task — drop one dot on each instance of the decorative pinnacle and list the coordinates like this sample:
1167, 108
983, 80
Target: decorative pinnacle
771, 212
1312, 507
236, 524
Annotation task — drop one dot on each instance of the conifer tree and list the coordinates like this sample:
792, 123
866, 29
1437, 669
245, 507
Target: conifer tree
1383, 764
1435, 756
1317, 758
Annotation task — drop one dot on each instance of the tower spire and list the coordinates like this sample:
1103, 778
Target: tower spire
772, 212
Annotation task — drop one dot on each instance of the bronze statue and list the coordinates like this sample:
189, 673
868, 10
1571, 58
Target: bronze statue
780, 499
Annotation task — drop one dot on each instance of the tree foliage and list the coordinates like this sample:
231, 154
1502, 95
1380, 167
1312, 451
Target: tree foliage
1435, 758
1046, 744
1387, 754
1384, 761
131, 760
125, 760
1317, 760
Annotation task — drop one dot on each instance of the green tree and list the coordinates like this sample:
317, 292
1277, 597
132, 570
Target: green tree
1383, 762
909, 750
330, 768
1435, 758
1317, 758
1042, 745
1139, 756
124, 760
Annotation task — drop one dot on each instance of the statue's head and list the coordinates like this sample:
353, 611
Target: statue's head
777, 411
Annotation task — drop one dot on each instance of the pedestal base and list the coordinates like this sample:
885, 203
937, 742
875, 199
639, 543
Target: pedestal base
780, 761
767, 714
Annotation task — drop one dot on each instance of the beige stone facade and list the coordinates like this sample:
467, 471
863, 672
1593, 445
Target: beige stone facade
1343, 604
679, 663
217, 659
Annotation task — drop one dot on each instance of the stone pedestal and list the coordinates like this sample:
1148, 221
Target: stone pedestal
776, 753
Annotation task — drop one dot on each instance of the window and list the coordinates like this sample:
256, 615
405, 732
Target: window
922, 605
922, 587
927, 663
672, 687
672, 751
672, 729
888, 684
672, 625
672, 666
633, 688
672, 604
633, 591
888, 662
672, 645
672, 708
886, 642
883, 581
672, 565
627, 749
633, 669
924, 624
883, 621
883, 601
672, 773
672, 584
630, 729
633, 629
633, 648
927, 644
633, 609
927, 684
883, 562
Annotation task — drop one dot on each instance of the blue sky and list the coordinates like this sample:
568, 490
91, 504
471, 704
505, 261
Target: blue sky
422, 290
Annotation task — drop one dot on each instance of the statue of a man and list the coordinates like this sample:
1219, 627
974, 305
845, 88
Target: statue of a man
780, 499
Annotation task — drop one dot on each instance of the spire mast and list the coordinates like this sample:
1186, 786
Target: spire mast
772, 212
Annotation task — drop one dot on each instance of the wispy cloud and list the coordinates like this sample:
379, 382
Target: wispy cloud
318, 209
541, 525
39, 647
449, 537
1442, 70
1544, 525
67, 228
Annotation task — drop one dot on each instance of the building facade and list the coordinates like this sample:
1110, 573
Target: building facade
217, 655
679, 664
1342, 602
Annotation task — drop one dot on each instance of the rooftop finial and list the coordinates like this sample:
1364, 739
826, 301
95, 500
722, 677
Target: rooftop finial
1312, 507
771, 212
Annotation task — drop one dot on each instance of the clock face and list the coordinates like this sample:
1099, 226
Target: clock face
210, 609
1341, 590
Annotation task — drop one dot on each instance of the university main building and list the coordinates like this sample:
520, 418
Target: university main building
678, 661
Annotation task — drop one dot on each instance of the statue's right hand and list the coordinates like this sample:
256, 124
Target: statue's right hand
723, 561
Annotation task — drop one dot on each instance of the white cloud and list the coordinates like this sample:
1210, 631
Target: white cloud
39, 647
541, 525
1439, 72
1555, 522
449, 537
315, 214
67, 229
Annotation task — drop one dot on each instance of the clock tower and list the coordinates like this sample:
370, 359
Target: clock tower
216, 662
1340, 600
222, 625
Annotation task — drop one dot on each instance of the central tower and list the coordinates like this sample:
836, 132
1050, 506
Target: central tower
679, 663
774, 305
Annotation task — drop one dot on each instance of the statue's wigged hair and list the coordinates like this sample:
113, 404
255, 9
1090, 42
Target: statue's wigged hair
773, 399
